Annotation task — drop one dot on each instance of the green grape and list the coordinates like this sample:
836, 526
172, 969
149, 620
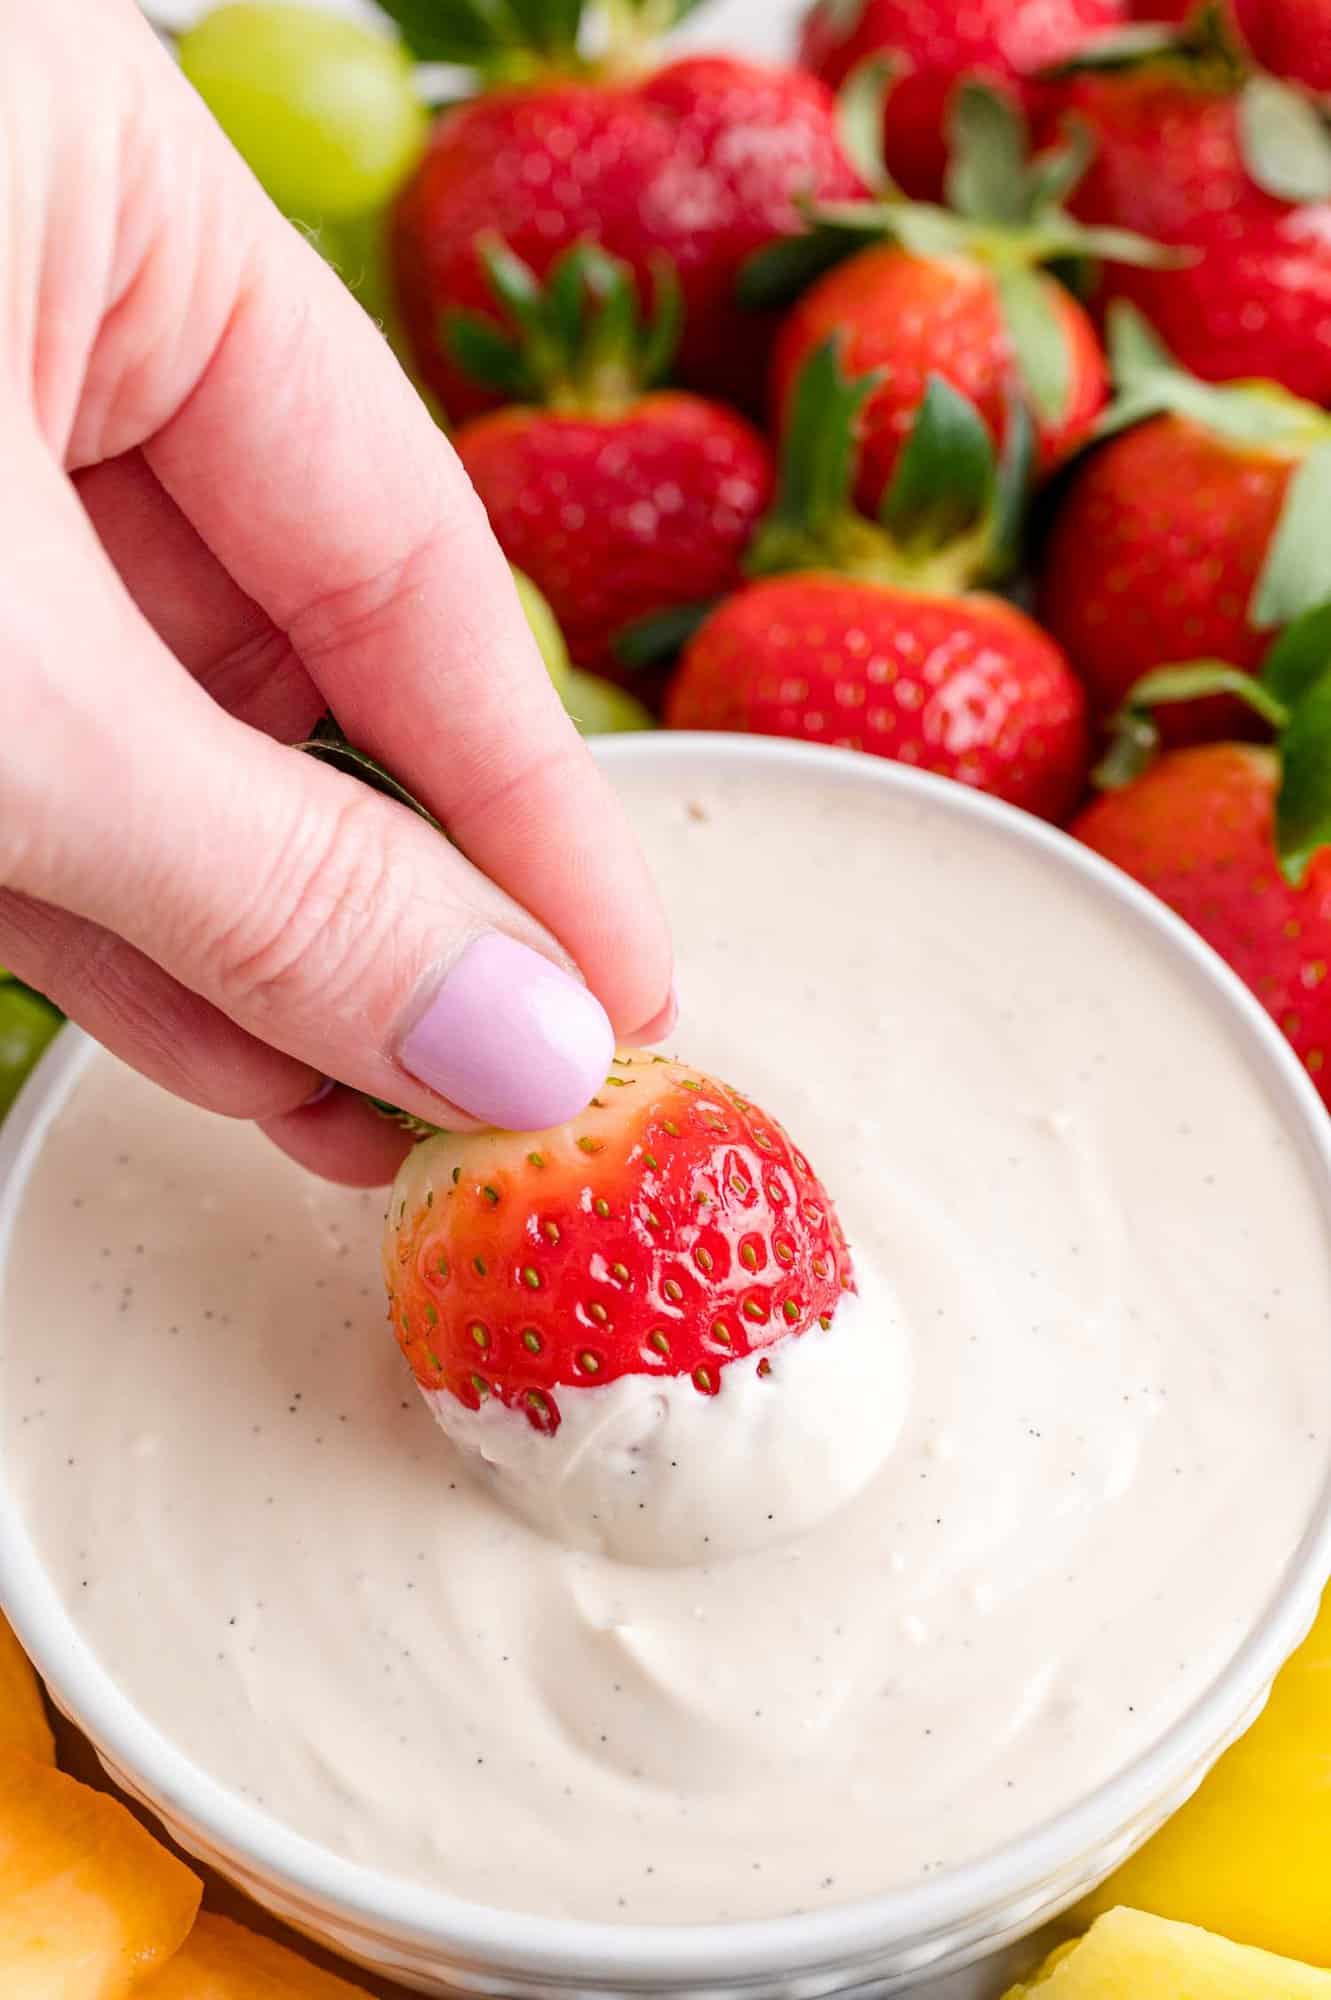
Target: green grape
322, 108
545, 629
600, 708
27, 1024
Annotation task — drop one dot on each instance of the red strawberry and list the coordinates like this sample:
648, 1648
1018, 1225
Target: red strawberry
886, 656
617, 504
1237, 838
1291, 38
1198, 830
911, 317
964, 686
957, 293
1234, 169
935, 43
1159, 549
669, 1230
703, 161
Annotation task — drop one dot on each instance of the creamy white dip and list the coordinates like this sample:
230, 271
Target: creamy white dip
1101, 1436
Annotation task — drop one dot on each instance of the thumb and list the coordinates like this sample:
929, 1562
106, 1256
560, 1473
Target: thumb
324, 919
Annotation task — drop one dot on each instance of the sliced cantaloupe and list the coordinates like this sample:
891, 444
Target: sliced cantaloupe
1129, 1955
89, 1902
223, 1961
1249, 1855
23, 1724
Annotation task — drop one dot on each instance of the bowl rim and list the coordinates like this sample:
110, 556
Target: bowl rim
313, 1877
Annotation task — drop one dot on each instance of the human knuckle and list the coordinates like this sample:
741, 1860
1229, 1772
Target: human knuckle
317, 927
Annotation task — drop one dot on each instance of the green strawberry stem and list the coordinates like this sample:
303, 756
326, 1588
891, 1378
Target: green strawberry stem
577, 341
1292, 695
951, 515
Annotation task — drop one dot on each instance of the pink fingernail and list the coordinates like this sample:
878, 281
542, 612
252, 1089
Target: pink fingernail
324, 1088
510, 1038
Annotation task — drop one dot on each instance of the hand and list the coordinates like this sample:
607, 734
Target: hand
223, 511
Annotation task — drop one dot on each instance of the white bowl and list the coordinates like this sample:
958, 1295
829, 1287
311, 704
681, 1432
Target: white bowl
914, 1940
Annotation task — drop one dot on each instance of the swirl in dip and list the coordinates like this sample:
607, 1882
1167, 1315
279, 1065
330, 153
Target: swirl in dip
1099, 1274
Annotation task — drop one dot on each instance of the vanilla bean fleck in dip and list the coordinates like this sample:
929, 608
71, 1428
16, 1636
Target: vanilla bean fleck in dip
1097, 1259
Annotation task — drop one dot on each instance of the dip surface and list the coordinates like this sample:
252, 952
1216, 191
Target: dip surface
1114, 1279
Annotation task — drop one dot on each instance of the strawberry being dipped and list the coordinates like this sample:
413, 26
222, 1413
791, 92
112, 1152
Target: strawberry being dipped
960, 293
651, 1304
1236, 837
869, 642
1197, 528
932, 46
617, 503
1194, 148
702, 160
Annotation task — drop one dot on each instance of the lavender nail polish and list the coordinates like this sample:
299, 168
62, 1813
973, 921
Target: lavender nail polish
510, 1038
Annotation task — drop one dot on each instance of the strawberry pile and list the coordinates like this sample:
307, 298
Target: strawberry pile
956, 393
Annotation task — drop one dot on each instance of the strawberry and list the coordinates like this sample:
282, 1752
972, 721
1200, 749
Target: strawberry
668, 1231
1233, 168
702, 161
869, 645
618, 504
959, 294
933, 45
1236, 837
1291, 38
967, 687
1177, 537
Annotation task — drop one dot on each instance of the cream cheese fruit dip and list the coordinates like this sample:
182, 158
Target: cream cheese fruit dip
1085, 1445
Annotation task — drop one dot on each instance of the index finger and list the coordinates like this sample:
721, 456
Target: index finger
308, 464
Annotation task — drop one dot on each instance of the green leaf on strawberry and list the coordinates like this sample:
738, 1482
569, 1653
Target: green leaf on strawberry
951, 515
578, 339
861, 108
944, 479
1297, 573
329, 746
1292, 695
1303, 803
1285, 141
1037, 339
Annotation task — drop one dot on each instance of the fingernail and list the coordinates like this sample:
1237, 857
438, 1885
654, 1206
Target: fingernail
324, 1088
510, 1038
662, 1023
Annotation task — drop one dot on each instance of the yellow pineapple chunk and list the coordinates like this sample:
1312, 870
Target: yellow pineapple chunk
1249, 1855
89, 1901
1128, 1955
23, 1724
222, 1961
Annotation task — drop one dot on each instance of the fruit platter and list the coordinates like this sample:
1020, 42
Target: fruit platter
848, 1509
